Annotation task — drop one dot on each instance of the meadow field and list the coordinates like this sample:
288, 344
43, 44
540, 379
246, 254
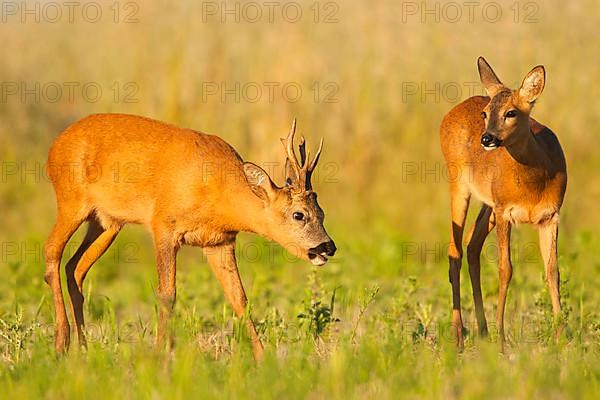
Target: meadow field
374, 79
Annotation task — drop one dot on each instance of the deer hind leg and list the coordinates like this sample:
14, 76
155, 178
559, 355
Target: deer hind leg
96, 242
504, 273
223, 263
66, 224
459, 203
483, 225
548, 248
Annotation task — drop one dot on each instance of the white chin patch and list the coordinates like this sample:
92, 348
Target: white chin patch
489, 148
318, 260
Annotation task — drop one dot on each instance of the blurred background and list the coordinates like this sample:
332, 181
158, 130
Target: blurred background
374, 80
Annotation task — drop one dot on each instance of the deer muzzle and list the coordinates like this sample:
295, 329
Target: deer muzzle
490, 141
319, 255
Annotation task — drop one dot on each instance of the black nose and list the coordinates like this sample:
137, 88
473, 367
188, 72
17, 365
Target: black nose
331, 249
489, 140
325, 247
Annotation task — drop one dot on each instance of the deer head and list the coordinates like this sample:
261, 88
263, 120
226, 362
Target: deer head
507, 114
293, 216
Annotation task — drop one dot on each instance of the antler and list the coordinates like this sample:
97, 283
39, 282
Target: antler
302, 171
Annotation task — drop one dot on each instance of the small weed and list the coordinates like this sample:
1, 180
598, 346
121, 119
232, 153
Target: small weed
368, 298
317, 314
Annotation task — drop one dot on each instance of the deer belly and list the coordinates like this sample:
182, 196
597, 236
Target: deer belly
520, 214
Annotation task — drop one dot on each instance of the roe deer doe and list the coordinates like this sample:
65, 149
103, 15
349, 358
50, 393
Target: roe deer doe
188, 188
517, 169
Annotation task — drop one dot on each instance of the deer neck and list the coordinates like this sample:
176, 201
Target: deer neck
246, 213
527, 150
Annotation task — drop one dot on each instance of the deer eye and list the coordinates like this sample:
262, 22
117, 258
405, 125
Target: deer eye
511, 114
298, 216
483, 115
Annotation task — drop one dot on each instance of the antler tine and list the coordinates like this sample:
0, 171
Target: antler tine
302, 146
315, 160
288, 143
293, 128
305, 166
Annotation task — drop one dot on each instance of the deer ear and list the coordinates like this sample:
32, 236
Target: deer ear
259, 181
533, 85
488, 77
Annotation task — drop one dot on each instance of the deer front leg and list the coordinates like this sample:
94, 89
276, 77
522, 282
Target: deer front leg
459, 203
504, 273
223, 263
548, 248
483, 225
166, 255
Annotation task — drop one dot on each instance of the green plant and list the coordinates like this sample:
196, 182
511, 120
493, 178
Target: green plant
317, 314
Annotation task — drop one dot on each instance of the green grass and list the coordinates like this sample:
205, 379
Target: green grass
378, 337
385, 333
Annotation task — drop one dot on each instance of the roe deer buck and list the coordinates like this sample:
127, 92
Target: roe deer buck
190, 188
517, 169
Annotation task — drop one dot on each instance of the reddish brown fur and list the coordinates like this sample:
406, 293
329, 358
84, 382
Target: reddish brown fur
186, 187
522, 181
